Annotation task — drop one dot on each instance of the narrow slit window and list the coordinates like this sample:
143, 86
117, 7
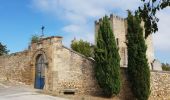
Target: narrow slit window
117, 41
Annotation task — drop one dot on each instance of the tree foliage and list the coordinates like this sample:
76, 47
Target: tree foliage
3, 49
107, 69
35, 38
83, 47
138, 69
165, 67
148, 11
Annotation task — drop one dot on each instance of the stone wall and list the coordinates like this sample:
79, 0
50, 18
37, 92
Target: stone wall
160, 85
16, 67
73, 71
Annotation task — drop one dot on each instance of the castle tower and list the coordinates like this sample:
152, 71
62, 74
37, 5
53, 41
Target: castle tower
119, 28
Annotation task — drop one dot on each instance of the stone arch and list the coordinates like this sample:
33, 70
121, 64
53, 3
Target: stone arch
35, 57
40, 52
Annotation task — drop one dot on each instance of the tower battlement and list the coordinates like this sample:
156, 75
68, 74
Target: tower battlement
112, 16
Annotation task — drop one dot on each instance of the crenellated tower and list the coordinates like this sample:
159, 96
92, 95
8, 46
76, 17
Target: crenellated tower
119, 28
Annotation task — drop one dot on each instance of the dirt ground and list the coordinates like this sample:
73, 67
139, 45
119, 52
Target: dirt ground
17, 91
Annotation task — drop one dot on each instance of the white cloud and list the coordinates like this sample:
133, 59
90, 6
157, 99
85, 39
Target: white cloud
84, 8
80, 14
162, 37
72, 28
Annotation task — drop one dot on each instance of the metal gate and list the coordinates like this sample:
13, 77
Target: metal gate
39, 72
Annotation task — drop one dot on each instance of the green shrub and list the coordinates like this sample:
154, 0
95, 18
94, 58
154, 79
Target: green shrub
35, 38
165, 67
83, 47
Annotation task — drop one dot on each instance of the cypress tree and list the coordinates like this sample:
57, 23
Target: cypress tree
138, 69
107, 59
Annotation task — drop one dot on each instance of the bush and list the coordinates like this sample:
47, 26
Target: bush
35, 38
165, 67
83, 47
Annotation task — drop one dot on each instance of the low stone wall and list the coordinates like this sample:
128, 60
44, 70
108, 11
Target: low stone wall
72, 70
16, 67
160, 86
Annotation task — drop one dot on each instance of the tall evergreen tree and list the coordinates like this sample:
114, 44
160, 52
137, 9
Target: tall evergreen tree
138, 69
107, 59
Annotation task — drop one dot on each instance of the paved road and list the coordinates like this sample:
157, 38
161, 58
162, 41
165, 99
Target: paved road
21, 92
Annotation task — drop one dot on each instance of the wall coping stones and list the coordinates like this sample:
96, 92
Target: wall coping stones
89, 58
168, 72
16, 53
158, 71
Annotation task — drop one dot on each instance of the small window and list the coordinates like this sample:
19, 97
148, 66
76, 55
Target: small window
117, 41
69, 91
152, 66
124, 56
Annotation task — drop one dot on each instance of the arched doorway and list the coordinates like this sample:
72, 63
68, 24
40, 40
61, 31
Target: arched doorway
40, 72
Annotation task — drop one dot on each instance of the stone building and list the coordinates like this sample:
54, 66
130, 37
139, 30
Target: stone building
119, 28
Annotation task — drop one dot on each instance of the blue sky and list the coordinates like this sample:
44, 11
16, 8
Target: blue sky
20, 19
